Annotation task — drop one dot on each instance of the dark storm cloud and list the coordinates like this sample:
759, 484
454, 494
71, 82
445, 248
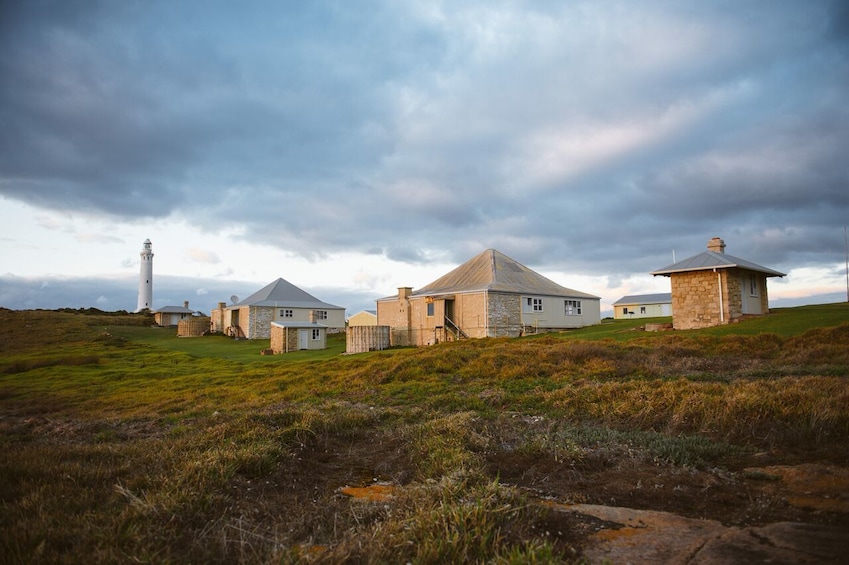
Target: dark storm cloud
593, 137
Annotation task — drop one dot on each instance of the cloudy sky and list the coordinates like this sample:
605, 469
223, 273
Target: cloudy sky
352, 147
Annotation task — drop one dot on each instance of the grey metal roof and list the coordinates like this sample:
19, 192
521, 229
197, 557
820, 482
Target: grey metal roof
708, 260
659, 298
493, 271
174, 310
282, 293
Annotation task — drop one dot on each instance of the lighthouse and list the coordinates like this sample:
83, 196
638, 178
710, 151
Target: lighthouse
145, 277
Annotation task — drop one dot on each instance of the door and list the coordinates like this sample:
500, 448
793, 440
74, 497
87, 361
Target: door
303, 339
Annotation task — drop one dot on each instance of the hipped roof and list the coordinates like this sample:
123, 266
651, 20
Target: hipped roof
493, 271
174, 310
282, 293
709, 260
660, 298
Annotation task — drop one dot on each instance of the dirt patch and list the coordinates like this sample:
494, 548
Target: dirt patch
607, 506
811, 493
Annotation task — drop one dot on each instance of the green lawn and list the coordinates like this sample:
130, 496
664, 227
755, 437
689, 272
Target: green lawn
222, 347
783, 322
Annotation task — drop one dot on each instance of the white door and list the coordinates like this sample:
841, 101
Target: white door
303, 339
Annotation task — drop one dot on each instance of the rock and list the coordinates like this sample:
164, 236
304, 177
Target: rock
648, 536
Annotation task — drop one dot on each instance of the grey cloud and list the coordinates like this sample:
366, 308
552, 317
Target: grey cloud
578, 137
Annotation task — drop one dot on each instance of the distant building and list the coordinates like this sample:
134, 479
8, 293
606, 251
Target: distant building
363, 318
490, 295
281, 302
169, 316
713, 288
643, 306
145, 277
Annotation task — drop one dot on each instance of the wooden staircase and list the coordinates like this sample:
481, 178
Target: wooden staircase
454, 329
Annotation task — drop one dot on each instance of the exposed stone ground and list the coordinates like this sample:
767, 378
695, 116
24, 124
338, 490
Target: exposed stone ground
631, 510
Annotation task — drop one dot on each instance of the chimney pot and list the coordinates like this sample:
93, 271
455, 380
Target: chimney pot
186, 304
716, 245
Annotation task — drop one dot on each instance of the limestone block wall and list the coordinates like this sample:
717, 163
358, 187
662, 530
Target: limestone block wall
283, 340
396, 315
504, 315
733, 293
259, 322
695, 300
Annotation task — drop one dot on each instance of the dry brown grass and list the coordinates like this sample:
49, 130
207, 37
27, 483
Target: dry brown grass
116, 450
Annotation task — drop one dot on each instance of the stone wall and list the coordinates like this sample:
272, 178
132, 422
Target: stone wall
283, 340
695, 297
695, 300
504, 315
396, 315
259, 326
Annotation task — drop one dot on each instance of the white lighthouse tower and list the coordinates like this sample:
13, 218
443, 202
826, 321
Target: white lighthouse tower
146, 277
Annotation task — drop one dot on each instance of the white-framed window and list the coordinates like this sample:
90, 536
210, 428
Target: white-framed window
532, 305
286, 313
573, 307
316, 334
642, 309
321, 314
753, 285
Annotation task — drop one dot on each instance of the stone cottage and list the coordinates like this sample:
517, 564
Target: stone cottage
490, 295
714, 288
279, 301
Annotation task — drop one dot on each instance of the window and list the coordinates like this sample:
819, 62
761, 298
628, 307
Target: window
287, 313
642, 309
753, 285
321, 314
573, 307
316, 334
430, 308
532, 305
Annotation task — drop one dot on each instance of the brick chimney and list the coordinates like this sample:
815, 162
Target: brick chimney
716, 245
404, 292
186, 304
312, 316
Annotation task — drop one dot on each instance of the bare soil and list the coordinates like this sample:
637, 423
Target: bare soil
752, 491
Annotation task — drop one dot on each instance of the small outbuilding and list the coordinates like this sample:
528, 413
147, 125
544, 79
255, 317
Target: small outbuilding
363, 318
170, 316
287, 337
643, 306
714, 288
